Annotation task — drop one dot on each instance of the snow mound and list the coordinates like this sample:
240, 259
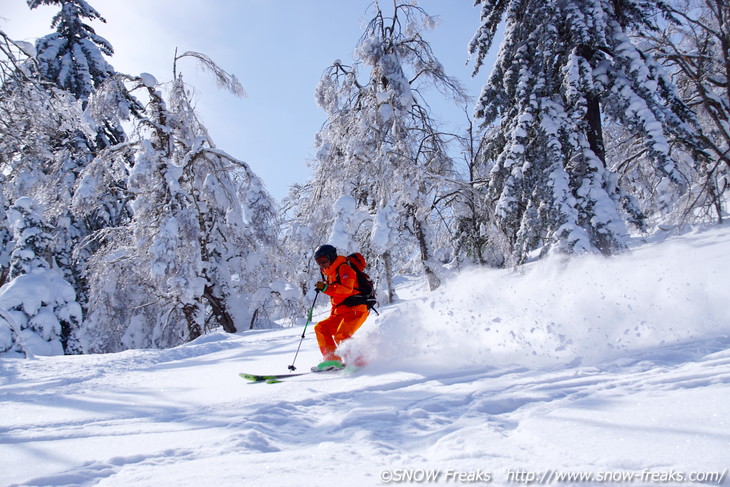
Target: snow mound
586, 310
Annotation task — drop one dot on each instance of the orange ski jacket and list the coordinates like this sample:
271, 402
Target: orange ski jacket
341, 281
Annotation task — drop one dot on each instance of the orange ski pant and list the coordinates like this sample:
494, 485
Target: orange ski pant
339, 326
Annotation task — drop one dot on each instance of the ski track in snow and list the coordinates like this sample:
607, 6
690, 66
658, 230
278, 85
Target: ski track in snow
183, 416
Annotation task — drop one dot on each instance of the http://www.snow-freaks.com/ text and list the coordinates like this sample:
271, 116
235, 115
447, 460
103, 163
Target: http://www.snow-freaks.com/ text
550, 476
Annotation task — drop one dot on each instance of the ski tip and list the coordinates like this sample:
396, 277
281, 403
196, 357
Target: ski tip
252, 377
270, 378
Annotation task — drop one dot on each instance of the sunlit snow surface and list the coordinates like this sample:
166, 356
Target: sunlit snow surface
591, 366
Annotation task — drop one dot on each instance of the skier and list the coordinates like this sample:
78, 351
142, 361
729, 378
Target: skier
339, 282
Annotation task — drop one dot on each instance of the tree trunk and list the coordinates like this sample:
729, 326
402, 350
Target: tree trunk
433, 280
190, 311
219, 310
388, 274
594, 132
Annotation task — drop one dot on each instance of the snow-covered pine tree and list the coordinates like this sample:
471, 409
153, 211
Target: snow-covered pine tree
563, 69
71, 57
38, 308
381, 161
43, 144
69, 61
32, 237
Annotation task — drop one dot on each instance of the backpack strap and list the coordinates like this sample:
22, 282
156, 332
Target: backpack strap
348, 300
337, 273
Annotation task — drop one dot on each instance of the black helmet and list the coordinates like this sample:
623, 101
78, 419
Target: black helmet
326, 250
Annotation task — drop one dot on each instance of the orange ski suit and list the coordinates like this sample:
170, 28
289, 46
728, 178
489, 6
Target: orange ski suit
343, 320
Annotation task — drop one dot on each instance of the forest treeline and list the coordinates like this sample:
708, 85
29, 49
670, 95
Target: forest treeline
122, 225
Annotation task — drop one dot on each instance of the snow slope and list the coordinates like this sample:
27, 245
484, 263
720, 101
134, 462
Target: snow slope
617, 370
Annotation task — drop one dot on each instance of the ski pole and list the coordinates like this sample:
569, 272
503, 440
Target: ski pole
309, 319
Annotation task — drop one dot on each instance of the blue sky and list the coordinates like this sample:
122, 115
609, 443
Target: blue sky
278, 49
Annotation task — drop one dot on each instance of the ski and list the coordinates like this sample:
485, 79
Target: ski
322, 368
269, 379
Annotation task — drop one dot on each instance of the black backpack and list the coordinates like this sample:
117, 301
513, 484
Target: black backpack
365, 287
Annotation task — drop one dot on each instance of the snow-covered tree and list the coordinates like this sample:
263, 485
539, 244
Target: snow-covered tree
38, 308
477, 238
201, 240
73, 56
564, 69
696, 50
32, 237
45, 142
6, 238
381, 161
37, 313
